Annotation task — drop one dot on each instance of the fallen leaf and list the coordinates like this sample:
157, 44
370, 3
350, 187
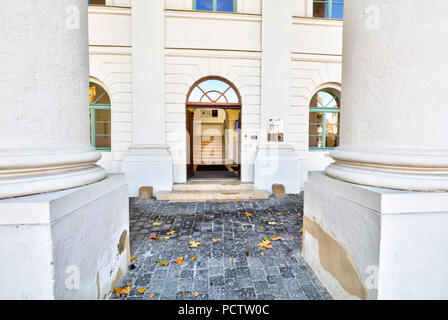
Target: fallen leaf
272, 223
150, 245
152, 295
194, 258
180, 261
129, 284
266, 244
196, 294
194, 244
277, 238
261, 227
266, 239
167, 237
262, 253
133, 258
248, 214
301, 230
214, 240
141, 290
156, 224
245, 228
230, 259
120, 291
299, 214
184, 293
237, 199
293, 238
171, 233
153, 237
159, 240
279, 214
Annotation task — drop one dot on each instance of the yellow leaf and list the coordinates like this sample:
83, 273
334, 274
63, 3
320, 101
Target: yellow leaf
194, 258
150, 245
133, 258
171, 233
272, 223
152, 295
230, 259
180, 261
279, 214
266, 244
120, 291
248, 214
129, 284
141, 290
196, 294
167, 237
153, 237
301, 230
156, 224
194, 244
277, 238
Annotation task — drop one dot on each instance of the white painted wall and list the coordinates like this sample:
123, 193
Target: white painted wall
233, 52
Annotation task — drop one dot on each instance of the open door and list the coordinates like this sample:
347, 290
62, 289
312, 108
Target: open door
190, 164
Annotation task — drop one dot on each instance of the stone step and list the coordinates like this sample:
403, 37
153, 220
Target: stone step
203, 196
214, 186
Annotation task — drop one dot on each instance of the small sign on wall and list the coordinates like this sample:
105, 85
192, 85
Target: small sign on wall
275, 130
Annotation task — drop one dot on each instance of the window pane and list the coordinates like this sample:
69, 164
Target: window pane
102, 128
320, 8
205, 5
332, 141
337, 10
316, 130
225, 5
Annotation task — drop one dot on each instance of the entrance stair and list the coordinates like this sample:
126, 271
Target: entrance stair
211, 190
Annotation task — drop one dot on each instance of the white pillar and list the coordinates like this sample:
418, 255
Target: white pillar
149, 162
72, 243
363, 239
44, 78
276, 162
394, 110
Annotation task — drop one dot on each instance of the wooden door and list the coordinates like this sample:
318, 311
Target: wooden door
190, 164
239, 146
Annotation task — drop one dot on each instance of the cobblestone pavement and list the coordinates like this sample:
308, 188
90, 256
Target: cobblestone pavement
233, 267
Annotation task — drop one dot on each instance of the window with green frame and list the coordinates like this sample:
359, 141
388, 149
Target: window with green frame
325, 108
215, 5
100, 118
330, 9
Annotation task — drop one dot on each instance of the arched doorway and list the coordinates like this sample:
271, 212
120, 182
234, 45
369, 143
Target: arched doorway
213, 114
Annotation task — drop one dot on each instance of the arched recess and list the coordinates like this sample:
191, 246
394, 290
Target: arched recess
100, 116
324, 119
210, 94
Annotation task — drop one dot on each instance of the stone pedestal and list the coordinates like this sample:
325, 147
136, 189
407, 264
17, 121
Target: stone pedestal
71, 244
148, 165
277, 164
148, 162
372, 243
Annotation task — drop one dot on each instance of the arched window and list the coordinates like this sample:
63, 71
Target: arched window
330, 9
213, 91
100, 118
324, 119
215, 5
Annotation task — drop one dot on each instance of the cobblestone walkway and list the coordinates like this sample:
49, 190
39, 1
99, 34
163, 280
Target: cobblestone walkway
232, 266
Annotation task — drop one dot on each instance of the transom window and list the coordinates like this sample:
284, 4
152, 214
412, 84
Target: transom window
324, 119
100, 118
215, 5
213, 91
331, 9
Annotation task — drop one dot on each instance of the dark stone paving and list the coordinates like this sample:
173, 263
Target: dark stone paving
233, 268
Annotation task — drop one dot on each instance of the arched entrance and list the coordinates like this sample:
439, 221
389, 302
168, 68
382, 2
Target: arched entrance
213, 113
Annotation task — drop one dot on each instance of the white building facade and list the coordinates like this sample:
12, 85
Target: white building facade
148, 55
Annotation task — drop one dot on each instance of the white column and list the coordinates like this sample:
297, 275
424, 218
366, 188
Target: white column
367, 242
276, 162
44, 78
74, 243
394, 109
149, 162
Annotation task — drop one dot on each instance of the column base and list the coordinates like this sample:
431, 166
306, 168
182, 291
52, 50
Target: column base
371, 243
150, 166
277, 164
71, 244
